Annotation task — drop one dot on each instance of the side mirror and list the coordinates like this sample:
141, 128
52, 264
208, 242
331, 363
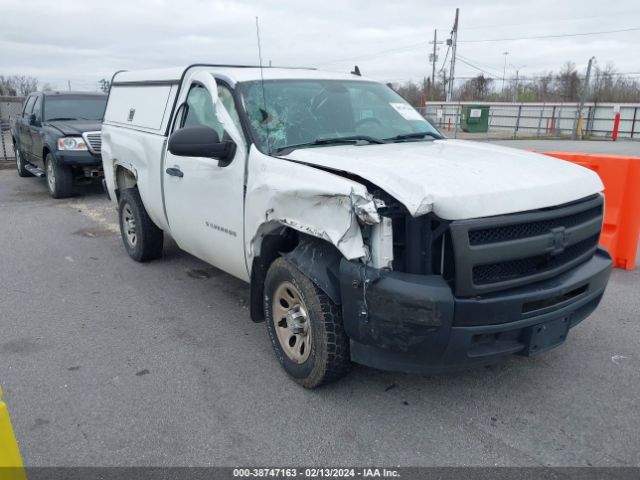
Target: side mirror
32, 119
201, 142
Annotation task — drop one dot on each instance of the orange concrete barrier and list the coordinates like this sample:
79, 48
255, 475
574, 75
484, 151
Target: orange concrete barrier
621, 178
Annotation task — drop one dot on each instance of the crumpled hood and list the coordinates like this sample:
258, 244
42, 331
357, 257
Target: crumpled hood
76, 127
458, 179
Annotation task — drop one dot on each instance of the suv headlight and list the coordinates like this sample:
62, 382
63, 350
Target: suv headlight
72, 143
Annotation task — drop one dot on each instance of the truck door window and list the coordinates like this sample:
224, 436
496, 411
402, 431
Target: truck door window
201, 111
37, 108
226, 97
28, 106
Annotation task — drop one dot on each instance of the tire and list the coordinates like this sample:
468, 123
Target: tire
142, 239
308, 311
23, 172
59, 177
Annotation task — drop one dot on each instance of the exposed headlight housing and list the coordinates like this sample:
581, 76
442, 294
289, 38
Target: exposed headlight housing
72, 143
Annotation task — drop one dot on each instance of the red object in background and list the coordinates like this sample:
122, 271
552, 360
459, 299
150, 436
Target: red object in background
616, 125
449, 125
424, 101
621, 177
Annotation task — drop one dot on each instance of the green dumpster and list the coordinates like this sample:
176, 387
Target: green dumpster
474, 118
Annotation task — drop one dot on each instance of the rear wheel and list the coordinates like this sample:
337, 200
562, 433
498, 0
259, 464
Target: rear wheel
305, 327
23, 172
142, 239
59, 177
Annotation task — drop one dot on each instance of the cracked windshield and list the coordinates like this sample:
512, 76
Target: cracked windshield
286, 114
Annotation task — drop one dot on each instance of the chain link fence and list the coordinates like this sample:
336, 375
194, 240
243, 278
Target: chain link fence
533, 120
9, 107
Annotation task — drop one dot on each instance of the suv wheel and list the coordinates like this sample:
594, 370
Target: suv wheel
23, 172
59, 178
141, 237
305, 327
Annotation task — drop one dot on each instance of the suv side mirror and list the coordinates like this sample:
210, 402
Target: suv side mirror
33, 120
201, 142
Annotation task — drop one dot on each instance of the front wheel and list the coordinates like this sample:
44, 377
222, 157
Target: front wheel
141, 237
59, 178
23, 172
305, 327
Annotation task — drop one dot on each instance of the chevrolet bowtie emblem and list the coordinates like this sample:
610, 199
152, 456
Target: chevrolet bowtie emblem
558, 241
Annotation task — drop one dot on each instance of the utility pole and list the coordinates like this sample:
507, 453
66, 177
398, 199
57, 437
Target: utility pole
434, 58
583, 97
504, 71
454, 41
516, 90
444, 82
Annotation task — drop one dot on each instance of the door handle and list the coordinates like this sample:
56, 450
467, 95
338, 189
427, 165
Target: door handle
175, 172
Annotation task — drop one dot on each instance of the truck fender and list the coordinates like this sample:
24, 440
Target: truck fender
317, 259
320, 261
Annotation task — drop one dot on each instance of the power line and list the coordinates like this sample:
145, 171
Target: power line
559, 35
422, 45
495, 72
477, 68
445, 59
555, 20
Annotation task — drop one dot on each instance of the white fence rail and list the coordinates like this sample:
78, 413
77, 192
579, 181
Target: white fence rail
542, 119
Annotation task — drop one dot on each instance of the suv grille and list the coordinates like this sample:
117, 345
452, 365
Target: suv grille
507, 251
94, 141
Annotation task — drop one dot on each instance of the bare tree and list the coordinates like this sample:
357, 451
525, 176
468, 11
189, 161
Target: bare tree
568, 83
7, 86
478, 88
105, 85
20, 85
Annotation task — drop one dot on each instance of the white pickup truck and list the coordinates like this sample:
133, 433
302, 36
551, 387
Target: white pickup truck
365, 235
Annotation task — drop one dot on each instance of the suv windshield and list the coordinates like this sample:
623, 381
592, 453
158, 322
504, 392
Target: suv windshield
297, 113
75, 107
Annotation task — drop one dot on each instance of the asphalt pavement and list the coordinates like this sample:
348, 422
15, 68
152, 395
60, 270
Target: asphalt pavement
105, 361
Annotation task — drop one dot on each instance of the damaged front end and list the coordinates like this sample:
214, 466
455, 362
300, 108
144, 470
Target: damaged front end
312, 202
418, 293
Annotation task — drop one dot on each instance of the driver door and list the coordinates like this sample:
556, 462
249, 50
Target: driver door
204, 197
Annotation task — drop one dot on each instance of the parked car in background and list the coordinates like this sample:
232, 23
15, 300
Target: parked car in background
57, 135
365, 234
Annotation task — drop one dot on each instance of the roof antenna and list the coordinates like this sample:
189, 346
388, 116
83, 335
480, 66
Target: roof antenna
356, 71
265, 114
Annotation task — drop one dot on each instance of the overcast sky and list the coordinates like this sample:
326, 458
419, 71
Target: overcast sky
86, 40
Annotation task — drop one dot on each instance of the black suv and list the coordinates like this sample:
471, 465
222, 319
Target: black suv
58, 136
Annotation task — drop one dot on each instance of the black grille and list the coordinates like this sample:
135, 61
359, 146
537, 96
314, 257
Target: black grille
500, 272
524, 230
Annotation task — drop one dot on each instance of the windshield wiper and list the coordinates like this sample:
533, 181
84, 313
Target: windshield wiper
60, 118
331, 141
408, 136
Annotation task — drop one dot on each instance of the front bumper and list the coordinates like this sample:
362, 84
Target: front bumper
413, 323
78, 159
